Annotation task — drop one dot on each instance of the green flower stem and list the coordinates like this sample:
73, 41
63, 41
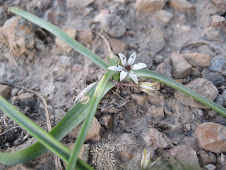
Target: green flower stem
170, 82
59, 33
86, 125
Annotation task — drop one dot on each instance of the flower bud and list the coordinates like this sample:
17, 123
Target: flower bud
147, 87
145, 160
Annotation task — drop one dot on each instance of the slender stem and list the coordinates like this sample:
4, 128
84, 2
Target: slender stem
85, 127
178, 86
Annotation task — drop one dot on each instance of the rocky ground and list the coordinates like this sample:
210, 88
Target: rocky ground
183, 40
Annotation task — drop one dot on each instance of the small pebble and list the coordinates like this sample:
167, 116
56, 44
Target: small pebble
200, 112
210, 167
216, 78
217, 63
113, 25
158, 58
220, 99
149, 6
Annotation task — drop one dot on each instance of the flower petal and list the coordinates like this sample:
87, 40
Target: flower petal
132, 59
123, 74
115, 68
123, 59
138, 66
133, 76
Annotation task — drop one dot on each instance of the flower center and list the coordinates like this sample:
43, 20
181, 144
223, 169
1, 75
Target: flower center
127, 67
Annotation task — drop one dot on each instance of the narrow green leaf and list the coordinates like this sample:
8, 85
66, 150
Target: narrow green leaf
46, 139
170, 82
68, 123
85, 127
59, 33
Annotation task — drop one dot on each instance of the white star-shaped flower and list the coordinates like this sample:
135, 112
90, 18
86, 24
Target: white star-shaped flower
128, 67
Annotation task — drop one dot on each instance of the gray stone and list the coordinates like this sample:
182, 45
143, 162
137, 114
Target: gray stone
118, 46
14, 91
121, 1
197, 59
212, 157
3, 15
205, 49
39, 44
165, 68
216, 78
223, 71
200, 112
157, 41
210, 167
217, 20
220, 4
212, 113
24, 100
187, 156
163, 16
183, 6
149, 6
224, 95
217, 63
154, 138
144, 57
221, 158
220, 119
78, 4
113, 25
158, 58
5, 91
195, 72
212, 34
220, 100
181, 68
203, 87
205, 157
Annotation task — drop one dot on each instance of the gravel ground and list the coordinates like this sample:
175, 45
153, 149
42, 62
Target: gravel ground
183, 40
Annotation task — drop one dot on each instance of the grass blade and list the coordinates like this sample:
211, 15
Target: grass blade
59, 33
85, 127
170, 82
74, 117
46, 139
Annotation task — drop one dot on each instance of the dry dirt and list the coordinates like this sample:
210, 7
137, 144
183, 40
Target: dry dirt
30, 58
